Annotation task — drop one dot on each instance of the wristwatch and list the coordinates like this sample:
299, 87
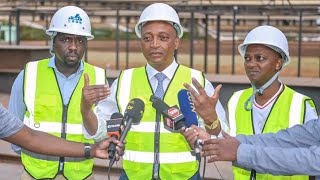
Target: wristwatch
87, 149
214, 124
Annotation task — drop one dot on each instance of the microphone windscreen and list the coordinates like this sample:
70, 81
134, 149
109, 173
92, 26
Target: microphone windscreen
159, 104
116, 115
114, 125
187, 107
134, 110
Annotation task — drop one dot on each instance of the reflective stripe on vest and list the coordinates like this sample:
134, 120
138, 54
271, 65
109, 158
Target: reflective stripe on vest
51, 127
174, 155
232, 104
281, 116
45, 113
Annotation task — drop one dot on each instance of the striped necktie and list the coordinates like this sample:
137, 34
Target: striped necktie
159, 91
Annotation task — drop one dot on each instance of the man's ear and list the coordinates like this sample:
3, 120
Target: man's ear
176, 43
279, 64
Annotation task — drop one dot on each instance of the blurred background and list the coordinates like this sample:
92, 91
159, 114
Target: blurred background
213, 30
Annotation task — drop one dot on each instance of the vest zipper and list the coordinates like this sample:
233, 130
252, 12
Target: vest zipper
63, 134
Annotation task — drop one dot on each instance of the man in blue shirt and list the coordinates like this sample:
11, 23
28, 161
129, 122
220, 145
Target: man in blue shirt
288, 152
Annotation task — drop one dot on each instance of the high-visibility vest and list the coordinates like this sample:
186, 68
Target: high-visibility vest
287, 111
46, 112
176, 160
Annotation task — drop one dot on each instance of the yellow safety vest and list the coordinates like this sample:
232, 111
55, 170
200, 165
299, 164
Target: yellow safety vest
176, 161
287, 111
46, 112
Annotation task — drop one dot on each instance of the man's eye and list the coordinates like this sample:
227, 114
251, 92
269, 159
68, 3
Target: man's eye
81, 40
260, 58
66, 40
164, 38
146, 38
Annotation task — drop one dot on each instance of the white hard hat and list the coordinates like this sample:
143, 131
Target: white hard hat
269, 36
159, 12
71, 20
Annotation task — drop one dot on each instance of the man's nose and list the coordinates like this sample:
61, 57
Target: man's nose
73, 45
155, 43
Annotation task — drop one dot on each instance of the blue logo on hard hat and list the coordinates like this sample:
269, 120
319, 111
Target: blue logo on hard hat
75, 19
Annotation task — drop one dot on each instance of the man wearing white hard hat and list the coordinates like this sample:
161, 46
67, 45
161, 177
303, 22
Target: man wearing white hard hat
269, 105
152, 152
46, 95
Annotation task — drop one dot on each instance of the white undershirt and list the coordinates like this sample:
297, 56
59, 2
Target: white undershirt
261, 113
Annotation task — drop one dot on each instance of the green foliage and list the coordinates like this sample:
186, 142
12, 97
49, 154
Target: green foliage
28, 33
110, 34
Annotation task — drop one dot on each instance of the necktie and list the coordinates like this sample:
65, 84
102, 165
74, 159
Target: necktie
159, 91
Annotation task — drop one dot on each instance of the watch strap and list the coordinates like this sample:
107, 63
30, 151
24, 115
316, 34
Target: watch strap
87, 149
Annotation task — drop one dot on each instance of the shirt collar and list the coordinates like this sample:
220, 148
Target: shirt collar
169, 71
53, 65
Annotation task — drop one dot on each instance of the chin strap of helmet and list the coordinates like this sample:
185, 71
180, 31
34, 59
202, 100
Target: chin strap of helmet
53, 35
249, 102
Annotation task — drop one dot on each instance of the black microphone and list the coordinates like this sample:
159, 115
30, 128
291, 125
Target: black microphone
188, 110
173, 119
132, 115
114, 131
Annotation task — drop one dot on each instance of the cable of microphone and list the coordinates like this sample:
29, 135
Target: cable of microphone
253, 174
173, 119
188, 110
114, 131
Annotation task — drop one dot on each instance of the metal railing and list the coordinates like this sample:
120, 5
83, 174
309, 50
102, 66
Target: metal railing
216, 22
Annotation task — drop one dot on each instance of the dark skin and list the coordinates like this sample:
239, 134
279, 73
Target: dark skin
91, 94
261, 63
69, 50
224, 149
158, 42
205, 108
33, 141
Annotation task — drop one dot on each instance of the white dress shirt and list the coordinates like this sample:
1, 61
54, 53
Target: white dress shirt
108, 106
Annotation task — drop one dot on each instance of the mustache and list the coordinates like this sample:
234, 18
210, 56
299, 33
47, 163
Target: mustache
72, 54
155, 52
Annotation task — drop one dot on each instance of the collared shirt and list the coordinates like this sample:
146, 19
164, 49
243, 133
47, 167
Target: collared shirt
66, 85
261, 113
108, 106
288, 152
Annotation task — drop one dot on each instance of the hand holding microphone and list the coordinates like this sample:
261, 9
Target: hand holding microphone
191, 120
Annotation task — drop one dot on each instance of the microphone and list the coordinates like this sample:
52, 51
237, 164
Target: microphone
114, 131
132, 115
187, 107
188, 110
173, 119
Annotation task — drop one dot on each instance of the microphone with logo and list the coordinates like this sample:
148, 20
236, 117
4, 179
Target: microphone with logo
173, 119
188, 110
132, 115
114, 131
